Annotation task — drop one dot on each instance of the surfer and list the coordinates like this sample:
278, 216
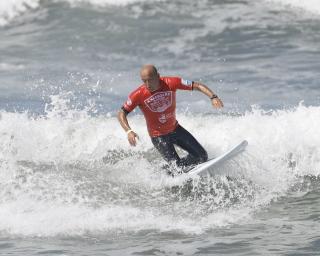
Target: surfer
156, 98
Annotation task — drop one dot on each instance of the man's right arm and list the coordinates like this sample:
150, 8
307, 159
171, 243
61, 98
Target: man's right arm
122, 117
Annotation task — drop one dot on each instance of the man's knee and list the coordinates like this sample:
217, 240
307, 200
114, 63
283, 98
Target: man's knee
203, 156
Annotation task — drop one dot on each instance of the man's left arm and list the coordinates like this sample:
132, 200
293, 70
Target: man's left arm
215, 100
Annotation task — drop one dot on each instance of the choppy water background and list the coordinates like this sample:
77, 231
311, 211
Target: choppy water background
71, 185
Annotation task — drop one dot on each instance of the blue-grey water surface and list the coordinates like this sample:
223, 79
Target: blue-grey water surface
70, 184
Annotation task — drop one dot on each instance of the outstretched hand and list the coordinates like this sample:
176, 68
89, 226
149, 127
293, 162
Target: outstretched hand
132, 138
217, 103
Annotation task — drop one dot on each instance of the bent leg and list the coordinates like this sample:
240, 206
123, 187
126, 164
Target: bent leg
196, 153
166, 148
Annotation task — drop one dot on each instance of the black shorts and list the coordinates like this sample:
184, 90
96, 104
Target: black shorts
182, 138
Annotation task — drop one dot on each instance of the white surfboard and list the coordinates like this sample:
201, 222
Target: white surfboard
208, 166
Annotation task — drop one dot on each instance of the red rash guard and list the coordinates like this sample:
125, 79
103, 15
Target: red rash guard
158, 107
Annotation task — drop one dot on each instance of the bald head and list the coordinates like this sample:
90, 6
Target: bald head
150, 77
149, 69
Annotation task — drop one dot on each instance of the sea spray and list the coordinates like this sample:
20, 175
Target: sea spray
76, 173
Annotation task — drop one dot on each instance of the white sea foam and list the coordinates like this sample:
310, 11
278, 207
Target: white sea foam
308, 5
10, 9
68, 173
105, 2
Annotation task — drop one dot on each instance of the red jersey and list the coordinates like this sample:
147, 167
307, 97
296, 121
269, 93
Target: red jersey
158, 107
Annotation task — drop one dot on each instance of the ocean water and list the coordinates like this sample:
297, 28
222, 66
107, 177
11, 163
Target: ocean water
70, 184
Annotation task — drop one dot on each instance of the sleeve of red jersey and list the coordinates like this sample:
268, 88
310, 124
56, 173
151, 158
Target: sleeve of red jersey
132, 101
179, 83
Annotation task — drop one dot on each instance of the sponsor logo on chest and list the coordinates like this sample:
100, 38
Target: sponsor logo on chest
163, 118
159, 102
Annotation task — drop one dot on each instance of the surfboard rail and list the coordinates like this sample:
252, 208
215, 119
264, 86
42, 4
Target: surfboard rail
203, 168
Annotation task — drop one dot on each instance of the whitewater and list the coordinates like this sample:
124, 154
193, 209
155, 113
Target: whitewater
70, 183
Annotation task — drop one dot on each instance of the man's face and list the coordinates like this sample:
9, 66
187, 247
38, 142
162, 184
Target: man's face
150, 79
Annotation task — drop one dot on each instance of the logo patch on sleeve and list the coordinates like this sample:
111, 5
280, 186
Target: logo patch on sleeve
186, 82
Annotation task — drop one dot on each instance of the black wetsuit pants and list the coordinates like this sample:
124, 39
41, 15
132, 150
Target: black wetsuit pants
182, 138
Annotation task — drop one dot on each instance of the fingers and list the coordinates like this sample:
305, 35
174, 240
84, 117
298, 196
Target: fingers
217, 103
132, 138
132, 141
